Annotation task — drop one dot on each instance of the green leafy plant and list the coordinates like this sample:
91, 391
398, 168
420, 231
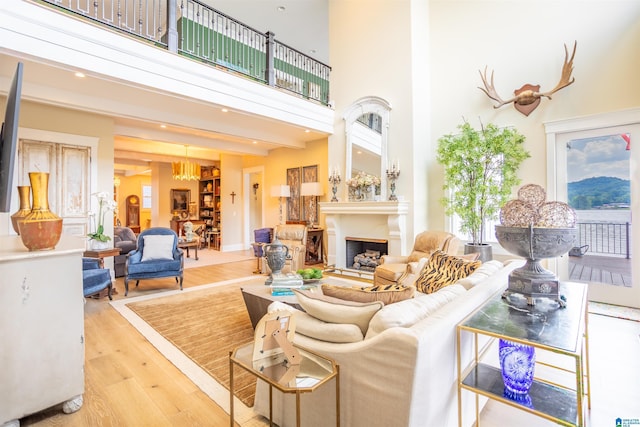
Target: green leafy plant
480, 168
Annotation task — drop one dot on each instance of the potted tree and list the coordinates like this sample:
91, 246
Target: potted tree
480, 168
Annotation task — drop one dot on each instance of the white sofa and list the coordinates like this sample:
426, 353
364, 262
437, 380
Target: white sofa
401, 376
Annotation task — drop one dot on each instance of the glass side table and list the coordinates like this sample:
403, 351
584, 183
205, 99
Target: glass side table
561, 331
313, 371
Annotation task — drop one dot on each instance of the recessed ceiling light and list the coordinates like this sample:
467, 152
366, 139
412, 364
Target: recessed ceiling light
79, 74
281, 8
224, 110
312, 51
255, 142
307, 131
163, 126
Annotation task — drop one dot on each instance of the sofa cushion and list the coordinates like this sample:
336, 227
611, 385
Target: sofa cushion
406, 313
317, 329
157, 247
336, 310
485, 270
388, 294
443, 270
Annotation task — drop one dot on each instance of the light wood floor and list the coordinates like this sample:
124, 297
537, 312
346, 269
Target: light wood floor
129, 383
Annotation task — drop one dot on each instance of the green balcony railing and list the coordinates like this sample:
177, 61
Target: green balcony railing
195, 30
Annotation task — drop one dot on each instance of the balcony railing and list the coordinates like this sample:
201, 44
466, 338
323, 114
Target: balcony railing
605, 238
195, 30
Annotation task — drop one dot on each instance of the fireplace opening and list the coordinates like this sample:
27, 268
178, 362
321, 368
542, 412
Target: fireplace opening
364, 254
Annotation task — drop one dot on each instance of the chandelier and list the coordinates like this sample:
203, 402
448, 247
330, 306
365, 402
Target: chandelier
186, 170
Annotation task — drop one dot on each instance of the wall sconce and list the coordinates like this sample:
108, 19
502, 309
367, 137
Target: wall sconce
255, 190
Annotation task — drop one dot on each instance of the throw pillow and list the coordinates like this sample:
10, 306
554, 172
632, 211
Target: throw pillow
336, 310
157, 247
315, 328
443, 270
388, 294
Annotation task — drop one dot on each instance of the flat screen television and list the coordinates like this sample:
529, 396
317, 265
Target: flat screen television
9, 139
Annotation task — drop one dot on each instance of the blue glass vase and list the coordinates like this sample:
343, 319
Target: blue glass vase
517, 362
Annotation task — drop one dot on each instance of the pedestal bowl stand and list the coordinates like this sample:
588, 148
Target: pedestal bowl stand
534, 244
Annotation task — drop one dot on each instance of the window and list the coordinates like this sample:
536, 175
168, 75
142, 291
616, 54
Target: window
146, 197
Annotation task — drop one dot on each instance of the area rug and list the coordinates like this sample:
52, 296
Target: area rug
196, 329
214, 257
616, 311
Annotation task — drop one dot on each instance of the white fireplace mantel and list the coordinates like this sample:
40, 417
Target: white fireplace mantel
378, 220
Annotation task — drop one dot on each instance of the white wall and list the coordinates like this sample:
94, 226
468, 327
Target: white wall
423, 58
523, 42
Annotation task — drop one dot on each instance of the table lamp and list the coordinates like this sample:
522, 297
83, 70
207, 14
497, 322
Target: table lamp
311, 190
281, 191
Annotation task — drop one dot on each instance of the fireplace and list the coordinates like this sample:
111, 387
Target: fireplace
384, 220
364, 254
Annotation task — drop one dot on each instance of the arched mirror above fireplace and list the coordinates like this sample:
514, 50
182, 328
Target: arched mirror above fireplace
367, 130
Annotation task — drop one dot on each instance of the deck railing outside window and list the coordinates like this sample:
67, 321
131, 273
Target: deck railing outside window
193, 29
605, 238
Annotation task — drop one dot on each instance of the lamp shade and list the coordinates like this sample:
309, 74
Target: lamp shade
280, 191
311, 189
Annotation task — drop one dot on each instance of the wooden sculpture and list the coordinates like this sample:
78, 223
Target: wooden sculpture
527, 98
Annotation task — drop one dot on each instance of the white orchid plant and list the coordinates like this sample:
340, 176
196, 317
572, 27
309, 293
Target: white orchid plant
105, 204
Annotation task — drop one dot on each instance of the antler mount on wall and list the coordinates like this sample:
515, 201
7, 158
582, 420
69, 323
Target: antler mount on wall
527, 98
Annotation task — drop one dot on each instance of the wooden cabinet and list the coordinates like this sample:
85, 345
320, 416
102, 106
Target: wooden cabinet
209, 200
133, 213
42, 328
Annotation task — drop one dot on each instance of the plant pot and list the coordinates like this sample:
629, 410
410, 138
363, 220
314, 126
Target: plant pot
98, 245
485, 250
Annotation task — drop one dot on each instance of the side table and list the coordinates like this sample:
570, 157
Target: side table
561, 331
190, 244
102, 254
314, 371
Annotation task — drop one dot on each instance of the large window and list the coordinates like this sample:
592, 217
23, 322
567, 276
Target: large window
146, 197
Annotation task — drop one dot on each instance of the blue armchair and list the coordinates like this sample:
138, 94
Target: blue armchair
95, 278
157, 256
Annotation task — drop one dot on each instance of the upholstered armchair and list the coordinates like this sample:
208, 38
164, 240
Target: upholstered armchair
95, 278
293, 236
157, 256
125, 239
396, 269
262, 236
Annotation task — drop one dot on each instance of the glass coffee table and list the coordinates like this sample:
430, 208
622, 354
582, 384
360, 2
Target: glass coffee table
312, 373
560, 331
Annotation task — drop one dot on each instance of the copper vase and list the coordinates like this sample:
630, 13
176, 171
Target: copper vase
41, 229
24, 193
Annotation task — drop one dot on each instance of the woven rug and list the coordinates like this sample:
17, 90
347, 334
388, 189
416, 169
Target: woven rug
196, 329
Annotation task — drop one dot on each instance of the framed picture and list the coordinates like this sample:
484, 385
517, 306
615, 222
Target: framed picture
180, 198
293, 202
309, 205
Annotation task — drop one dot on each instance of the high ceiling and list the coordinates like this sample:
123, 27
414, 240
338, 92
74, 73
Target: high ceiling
302, 25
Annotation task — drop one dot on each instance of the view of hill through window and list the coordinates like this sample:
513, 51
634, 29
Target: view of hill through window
598, 173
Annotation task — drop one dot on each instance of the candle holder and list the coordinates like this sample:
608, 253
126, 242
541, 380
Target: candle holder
334, 179
393, 174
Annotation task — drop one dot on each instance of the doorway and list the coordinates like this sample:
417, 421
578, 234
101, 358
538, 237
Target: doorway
253, 185
594, 169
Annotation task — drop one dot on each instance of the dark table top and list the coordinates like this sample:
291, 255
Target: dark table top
544, 324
